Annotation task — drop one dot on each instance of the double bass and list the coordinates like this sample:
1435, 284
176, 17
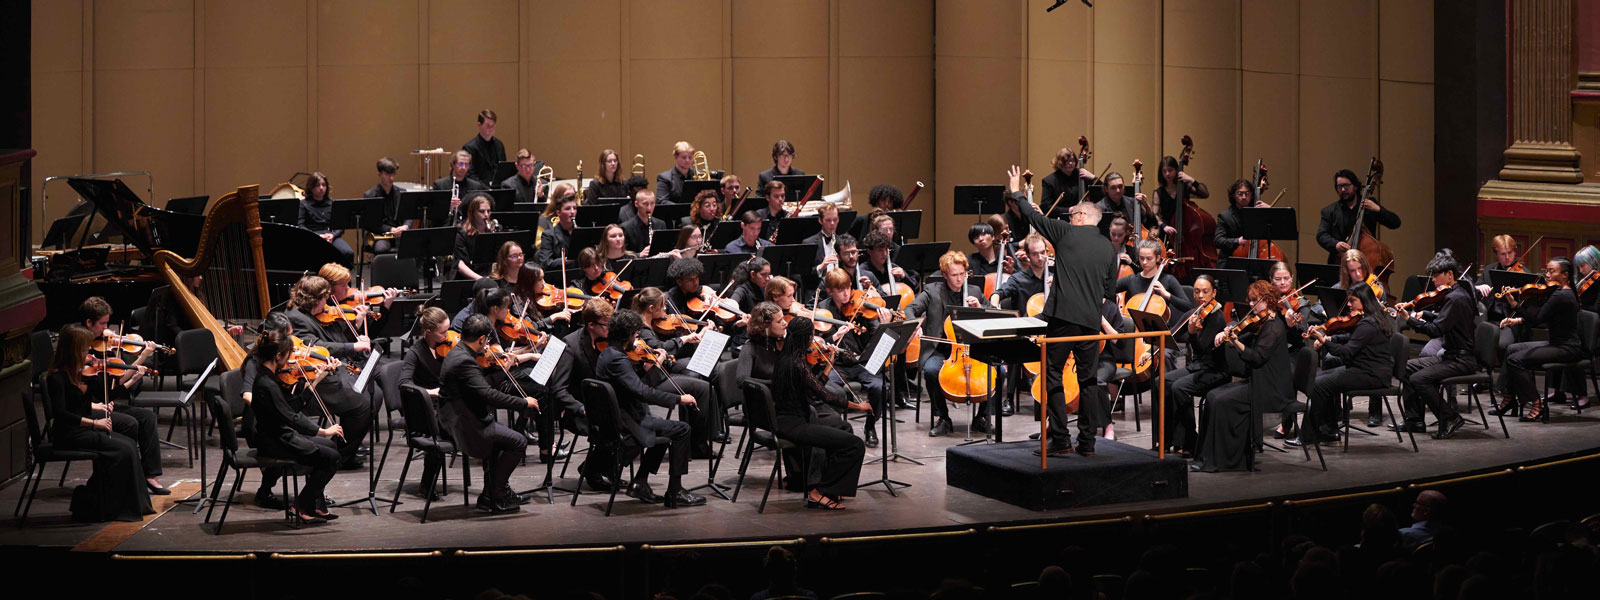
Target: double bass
1196, 227
1263, 249
1361, 238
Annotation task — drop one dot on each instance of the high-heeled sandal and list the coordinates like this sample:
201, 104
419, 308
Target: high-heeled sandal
1506, 408
825, 503
1535, 412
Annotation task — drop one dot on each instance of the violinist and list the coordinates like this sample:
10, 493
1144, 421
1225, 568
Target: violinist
282, 431
576, 364
1365, 364
316, 213
1339, 218
1081, 282
674, 351
748, 283
638, 231
1175, 186
1506, 251
1228, 422
506, 271
934, 303
608, 182
310, 297
1295, 308
985, 257
796, 390
685, 275
1178, 301
467, 405
1357, 273
531, 287
248, 372
827, 253
339, 287
878, 267
557, 239
387, 224
80, 422
838, 288
765, 331
782, 164
1241, 195
1118, 203
640, 426
135, 422
1587, 261
591, 270
613, 249
706, 210
476, 221
1068, 180
525, 181
423, 358
749, 240
1454, 322
1206, 369
1558, 313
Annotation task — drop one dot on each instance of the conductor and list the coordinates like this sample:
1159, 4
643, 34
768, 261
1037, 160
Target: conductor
1085, 274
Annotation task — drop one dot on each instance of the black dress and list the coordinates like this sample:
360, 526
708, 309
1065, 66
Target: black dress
116, 491
1229, 425
794, 388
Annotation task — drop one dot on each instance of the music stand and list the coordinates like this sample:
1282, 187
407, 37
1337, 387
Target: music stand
691, 188
996, 383
671, 213
504, 170
907, 223
402, 317
1332, 299
613, 200
978, 200
795, 186
922, 258
718, 266
597, 215
583, 237
517, 220
191, 205
348, 213
1257, 268
789, 259
665, 240
504, 198
279, 210
1232, 284
486, 249
426, 244
902, 332
537, 207
1268, 223
454, 295
646, 272
847, 220
794, 230
724, 233
1325, 275
432, 206
1414, 286
61, 229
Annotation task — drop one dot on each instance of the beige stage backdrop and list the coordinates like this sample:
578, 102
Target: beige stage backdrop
212, 95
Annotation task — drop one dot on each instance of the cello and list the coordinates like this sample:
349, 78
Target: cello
1262, 249
1361, 238
1196, 227
1152, 303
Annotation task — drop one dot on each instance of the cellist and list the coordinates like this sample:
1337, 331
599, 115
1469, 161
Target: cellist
1143, 281
935, 303
1339, 218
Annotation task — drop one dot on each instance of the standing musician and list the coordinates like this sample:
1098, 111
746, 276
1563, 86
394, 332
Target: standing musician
669, 183
85, 423
827, 255
577, 364
1084, 275
1115, 202
705, 211
608, 182
1175, 186
467, 405
638, 230
316, 215
282, 431
135, 422
1366, 364
475, 222
837, 285
525, 181
878, 268
459, 181
388, 224
1241, 195
1144, 281
558, 238
1339, 218
1455, 323
782, 164
749, 240
486, 150
613, 249
308, 298
796, 389
1206, 369
1558, 313
1069, 181
1228, 419
935, 303
635, 398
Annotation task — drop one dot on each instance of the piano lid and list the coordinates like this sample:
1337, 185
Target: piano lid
144, 226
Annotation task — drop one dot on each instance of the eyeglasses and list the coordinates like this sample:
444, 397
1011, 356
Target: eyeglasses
462, 163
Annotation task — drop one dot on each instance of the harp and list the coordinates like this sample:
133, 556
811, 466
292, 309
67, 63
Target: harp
230, 258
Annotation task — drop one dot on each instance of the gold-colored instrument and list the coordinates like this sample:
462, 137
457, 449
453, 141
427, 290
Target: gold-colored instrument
638, 165
702, 167
229, 254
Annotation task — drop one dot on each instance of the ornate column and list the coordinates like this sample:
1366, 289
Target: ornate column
1540, 51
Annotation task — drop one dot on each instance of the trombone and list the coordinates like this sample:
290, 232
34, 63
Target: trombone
702, 167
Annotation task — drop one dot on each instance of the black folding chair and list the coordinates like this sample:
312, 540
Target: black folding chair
1485, 337
605, 431
1397, 349
43, 452
239, 462
762, 419
422, 437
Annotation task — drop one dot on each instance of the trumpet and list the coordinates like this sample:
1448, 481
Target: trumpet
638, 165
702, 167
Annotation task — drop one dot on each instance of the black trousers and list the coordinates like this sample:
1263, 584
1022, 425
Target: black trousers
702, 419
1183, 385
842, 450
872, 382
677, 432
384, 246
1325, 400
1422, 385
1094, 407
323, 460
506, 449
1524, 356
139, 424
353, 410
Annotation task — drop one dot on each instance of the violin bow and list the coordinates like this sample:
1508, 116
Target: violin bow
1535, 244
1278, 197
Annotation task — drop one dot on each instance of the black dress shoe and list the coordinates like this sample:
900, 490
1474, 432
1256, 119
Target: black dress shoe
364, 451
872, 438
156, 490
981, 425
1446, 430
1033, 436
1375, 420
682, 498
1412, 427
902, 404
1007, 409
941, 426
1056, 448
720, 437
269, 500
1085, 449
641, 491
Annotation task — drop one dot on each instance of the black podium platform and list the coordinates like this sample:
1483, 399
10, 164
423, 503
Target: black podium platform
1116, 473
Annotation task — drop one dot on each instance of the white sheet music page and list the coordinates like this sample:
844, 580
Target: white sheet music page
366, 372
706, 354
880, 353
547, 361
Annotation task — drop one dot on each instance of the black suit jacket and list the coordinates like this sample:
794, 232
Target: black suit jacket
822, 251
576, 365
935, 302
635, 232
466, 400
548, 256
1085, 272
633, 396
279, 429
669, 187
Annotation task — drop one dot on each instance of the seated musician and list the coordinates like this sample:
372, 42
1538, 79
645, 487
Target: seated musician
1120, 235
1296, 310
525, 181
985, 258
882, 223
1206, 369
1241, 195
1178, 301
248, 372
777, 198
476, 221
846, 248
676, 348
879, 270
1174, 187
577, 363
591, 270
467, 404
749, 240
316, 215
458, 181
1339, 218
1454, 323
1556, 312
1507, 252
884, 197
613, 250
339, 286
281, 430
309, 298
421, 368
827, 255
522, 349
506, 271
1117, 202
935, 303
796, 391
85, 423
638, 424
685, 275
608, 183
837, 287
1366, 364
389, 224
555, 248
1227, 422
729, 189
669, 183
1028, 278
486, 150
561, 192
639, 231
748, 284
690, 241
782, 164
1067, 182
135, 422
1587, 263
705, 211
1357, 269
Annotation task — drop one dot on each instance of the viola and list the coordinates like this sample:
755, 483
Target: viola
1196, 228
611, 287
315, 356
515, 328
373, 295
1532, 290
1335, 325
294, 371
94, 366
493, 356
1426, 299
1583, 284
676, 325
444, 346
127, 343
643, 352
1251, 321
721, 309
550, 298
1518, 268
821, 353
1200, 314
863, 304
332, 313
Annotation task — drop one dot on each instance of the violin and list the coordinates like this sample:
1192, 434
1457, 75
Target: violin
94, 366
516, 328
315, 356
821, 353
1532, 290
1251, 321
493, 356
863, 304
373, 295
721, 309
332, 313
611, 287
1335, 325
1583, 284
127, 343
1423, 300
444, 346
642, 352
676, 325
821, 319
549, 298
1200, 314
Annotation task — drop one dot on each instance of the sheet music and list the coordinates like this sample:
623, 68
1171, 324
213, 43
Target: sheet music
547, 361
366, 372
198, 383
880, 353
706, 354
